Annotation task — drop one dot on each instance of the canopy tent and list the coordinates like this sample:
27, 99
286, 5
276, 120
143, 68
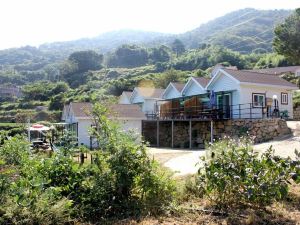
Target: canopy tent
39, 127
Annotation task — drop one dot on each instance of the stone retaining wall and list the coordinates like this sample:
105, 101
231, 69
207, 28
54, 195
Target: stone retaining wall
260, 129
296, 113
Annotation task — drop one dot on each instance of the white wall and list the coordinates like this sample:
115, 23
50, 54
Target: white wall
224, 83
124, 99
84, 125
136, 97
149, 105
172, 93
246, 97
194, 89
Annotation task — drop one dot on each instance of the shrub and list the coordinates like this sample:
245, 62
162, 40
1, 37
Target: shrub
234, 174
14, 151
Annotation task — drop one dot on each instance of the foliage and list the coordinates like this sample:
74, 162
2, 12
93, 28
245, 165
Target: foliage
208, 57
178, 47
272, 60
43, 90
56, 189
234, 174
287, 36
14, 151
128, 56
86, 60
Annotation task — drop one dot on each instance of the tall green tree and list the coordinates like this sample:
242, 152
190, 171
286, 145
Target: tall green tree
287, 37
178, 47
87, 60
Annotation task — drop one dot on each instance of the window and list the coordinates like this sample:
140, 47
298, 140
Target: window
284, 98
258, 100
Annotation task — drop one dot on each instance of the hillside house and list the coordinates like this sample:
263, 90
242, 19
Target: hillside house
147, 98
280, 70
125, 97
237, 94
173, 90
78, 117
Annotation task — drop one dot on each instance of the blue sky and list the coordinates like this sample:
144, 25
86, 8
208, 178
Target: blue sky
33, 22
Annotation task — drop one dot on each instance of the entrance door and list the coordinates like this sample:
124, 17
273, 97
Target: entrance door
224, 104
227, 105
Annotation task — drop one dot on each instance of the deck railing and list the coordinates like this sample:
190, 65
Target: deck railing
205, 112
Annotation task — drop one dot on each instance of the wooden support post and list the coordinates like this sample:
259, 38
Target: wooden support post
172, 144
239, 111
190, 133
211, 131
157, 133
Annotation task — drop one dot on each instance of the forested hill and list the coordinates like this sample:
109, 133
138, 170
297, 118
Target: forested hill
244, 30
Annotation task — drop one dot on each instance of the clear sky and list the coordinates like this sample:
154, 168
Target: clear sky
33, 22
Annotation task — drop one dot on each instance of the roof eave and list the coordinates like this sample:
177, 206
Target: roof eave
270, 85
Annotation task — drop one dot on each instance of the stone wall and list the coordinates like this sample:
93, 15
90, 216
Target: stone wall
260, 129
296, 113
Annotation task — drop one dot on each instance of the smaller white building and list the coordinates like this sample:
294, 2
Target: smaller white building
195, 86
78, 116
147, 98
173, 90
125, 97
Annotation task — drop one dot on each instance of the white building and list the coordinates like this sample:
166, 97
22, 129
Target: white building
78, 116
125, 97
147, 98
173, 90
250, 92
195, 86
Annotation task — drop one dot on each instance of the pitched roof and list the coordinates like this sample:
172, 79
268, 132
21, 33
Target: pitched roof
81, 109
127, 111
258, 78
279, 70
202, 81
150, 92
178, 86
127, 93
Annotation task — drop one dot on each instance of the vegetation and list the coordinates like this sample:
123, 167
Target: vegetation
235, 175
287, 36
40, 189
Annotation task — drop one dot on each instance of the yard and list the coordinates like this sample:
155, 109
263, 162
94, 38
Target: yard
184, 162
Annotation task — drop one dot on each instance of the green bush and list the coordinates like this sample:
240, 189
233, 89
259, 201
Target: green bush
56, 189
233, 174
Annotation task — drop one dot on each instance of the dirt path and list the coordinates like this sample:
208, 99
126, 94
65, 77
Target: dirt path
184, 162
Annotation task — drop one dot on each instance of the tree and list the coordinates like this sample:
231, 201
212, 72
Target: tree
287, 37
87, 60
128, 56
160, 54
178, 47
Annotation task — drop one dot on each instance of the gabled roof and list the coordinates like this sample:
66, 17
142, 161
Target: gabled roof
202, 81
175, 86
81, 109
149, 92
127, 111
178, 86
127, 94
278, 70
258, 78
84, 109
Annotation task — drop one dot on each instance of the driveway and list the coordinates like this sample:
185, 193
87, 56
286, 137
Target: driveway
184, 162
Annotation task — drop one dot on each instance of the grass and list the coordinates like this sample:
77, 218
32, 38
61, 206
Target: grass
12, 125
199, 211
